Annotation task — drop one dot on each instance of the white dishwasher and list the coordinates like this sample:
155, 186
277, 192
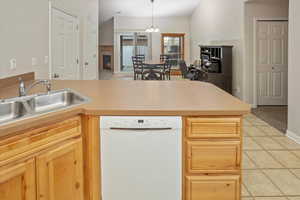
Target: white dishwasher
141, 158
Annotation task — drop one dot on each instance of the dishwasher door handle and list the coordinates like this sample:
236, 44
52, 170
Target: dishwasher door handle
141, 129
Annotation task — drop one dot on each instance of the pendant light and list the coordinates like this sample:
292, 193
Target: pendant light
152, 29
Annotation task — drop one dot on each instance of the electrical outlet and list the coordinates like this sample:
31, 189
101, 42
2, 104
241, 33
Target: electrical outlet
46, 60
34, 61
238, 89
13, 64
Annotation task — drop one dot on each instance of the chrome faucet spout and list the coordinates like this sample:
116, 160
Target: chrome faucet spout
23, 91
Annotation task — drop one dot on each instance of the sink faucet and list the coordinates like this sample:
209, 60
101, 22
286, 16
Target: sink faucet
23, 91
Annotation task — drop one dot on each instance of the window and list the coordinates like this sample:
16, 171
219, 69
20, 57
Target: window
172, 44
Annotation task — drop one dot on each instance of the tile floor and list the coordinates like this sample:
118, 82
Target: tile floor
271, 163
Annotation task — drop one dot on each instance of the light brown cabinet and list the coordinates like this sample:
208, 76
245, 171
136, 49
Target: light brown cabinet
212, 158
17, 181
213, 187
43, 164
60, 172
213, 127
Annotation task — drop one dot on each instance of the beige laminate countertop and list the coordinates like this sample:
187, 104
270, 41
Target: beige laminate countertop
122, 97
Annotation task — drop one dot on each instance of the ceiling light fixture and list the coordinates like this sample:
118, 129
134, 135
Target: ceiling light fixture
152, 28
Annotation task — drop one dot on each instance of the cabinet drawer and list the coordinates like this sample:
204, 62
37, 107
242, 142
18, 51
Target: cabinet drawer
216, 156
213, 187
38, 139
213, 127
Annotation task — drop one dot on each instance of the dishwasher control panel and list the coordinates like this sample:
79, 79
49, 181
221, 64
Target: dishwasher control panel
108, 122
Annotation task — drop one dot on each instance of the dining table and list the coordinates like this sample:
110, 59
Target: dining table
153, 67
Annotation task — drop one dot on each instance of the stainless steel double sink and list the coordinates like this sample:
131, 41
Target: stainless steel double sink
25, 107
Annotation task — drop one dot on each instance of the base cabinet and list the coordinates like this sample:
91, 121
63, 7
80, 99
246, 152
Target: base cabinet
213, 187
59, 173
17, 181
212, 158
40, 165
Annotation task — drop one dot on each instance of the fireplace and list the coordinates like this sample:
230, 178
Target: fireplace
107, 61
106, 58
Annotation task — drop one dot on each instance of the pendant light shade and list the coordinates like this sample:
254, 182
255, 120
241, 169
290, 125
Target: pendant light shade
152, 28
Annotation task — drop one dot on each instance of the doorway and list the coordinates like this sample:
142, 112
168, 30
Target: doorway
271, 62
132, 44
271, 71
64, 45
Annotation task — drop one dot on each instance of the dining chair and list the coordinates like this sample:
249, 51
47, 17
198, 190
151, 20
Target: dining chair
137, 67
167, 70
142, 57
152, 75
185, 72
164, 58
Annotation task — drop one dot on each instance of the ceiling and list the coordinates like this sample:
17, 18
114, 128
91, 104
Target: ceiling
142, 8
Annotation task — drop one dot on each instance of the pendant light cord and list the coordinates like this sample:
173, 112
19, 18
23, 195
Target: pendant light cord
152, 1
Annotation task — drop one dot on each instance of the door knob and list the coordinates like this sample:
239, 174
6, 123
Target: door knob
86, 63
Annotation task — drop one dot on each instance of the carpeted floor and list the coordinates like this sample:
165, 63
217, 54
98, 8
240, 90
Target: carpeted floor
276, 116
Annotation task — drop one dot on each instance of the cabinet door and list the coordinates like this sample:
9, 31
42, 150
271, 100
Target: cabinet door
213, 187
213, 156
17, 181
60, 172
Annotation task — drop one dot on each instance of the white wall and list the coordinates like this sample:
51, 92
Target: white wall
220, 22
23, 35
166, 25
107, 33
258, 9
294, 70
24, 32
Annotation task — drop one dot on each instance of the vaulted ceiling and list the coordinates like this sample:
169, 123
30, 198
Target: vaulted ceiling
142, 8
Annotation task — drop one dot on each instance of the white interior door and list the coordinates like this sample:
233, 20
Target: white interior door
90, 65
272, 62
65, 55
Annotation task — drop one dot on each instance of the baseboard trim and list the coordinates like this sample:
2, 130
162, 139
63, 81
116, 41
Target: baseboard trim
293, 136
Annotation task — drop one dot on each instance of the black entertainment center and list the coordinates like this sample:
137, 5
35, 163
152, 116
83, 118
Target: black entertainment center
220, 65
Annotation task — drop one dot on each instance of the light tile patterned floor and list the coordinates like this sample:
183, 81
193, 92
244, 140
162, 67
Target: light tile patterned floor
271, 163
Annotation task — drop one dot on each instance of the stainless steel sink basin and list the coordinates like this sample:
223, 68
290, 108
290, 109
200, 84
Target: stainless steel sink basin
11, 110
30, 106
55, 100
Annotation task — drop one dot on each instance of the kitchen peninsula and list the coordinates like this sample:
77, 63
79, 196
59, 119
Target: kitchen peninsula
57, 155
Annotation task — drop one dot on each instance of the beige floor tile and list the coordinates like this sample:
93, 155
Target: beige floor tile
245, 192
245, 132
268, 143
297, 153
287, 143
250, 144
247, 123
286, 158
258, 184
247, 198
247, 163
254, 131
263, 160
294, 198
270, 131
270, 198
259, 122
296, 172
285, 180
